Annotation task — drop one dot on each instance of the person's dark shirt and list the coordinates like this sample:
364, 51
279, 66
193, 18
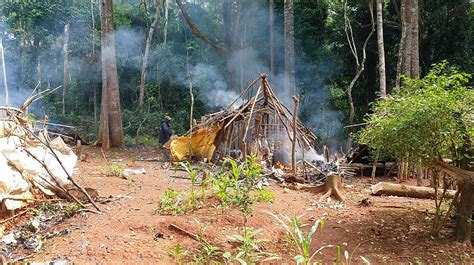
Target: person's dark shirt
165, 132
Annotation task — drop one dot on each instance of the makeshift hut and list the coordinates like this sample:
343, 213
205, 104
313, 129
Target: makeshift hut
261, 126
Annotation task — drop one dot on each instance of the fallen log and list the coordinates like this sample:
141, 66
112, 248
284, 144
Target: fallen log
401, 190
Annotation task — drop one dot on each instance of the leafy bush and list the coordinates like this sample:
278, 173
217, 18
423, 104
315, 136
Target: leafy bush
425, 119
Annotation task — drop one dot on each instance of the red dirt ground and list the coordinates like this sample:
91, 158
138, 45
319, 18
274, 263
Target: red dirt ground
390, 230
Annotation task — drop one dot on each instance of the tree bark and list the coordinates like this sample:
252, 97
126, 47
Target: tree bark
231, 17
381, 49
165, 26
392, 189
271, 10
290, 86
465, 212
402, 45
409, 54
147, 52
4, 70
93, 53
65, 65
415, 42
110, 130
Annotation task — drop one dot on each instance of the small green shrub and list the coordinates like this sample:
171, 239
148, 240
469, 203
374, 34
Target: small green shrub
72, 208
115, 170
264, 195
207, 253
250, 248
172, 202
297, 239
178, 253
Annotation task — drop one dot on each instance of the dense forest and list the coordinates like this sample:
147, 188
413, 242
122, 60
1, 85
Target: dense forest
52, 43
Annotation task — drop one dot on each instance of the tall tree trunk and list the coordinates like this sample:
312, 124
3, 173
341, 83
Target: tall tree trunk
465, 207
165, 26
147, 52
231, 17
65, 65
465, 212
409, 54
290, 87
403, 45
415, 53
380, 44
271, 10
4, 70
93, 54
110, 130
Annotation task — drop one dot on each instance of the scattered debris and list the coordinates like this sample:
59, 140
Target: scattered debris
365, 202
40, 227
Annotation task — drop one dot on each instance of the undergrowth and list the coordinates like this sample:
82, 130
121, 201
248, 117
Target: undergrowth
234, 184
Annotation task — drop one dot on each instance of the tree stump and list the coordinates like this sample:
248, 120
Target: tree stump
333, 187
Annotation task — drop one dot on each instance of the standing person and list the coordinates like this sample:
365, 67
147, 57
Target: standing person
165, 136
165, 130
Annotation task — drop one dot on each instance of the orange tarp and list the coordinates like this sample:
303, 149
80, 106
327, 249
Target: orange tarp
201, 144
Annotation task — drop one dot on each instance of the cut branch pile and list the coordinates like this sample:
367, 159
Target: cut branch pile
31, 163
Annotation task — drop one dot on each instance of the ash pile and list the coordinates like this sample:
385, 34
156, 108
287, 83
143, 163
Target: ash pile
313, 172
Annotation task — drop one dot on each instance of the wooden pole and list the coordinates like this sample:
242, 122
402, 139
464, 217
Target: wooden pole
293, 144
4, 71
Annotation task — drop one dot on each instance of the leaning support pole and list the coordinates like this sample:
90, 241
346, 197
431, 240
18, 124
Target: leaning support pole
4, 70
293, 142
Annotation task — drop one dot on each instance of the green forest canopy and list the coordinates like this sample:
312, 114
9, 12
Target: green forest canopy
33, 37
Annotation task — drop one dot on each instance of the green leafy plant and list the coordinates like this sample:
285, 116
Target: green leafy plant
264, 195
300, 242
115, 170
72, 208
178, 253
207, 253
250, 248
172, 202
235, 183
426, 121
195, 199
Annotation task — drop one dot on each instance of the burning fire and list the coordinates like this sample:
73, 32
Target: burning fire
280, 165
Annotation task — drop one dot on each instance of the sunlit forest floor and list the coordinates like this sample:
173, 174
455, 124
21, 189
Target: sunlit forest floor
389, 229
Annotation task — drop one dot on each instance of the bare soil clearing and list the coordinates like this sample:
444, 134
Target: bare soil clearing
387, 229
